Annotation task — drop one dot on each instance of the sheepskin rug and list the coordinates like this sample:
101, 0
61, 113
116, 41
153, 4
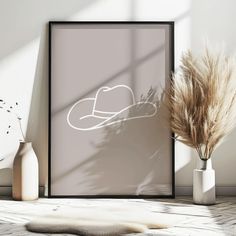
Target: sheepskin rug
101, 221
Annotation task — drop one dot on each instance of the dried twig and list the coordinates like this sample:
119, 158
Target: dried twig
11, 109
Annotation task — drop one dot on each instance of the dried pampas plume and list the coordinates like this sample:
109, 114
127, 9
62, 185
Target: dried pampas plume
202, 101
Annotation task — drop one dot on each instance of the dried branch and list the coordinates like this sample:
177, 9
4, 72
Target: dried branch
202, 101
11, 109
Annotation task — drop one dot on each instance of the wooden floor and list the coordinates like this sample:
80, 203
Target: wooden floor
219, 219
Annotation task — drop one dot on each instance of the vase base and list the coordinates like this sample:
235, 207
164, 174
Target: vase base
25, 199
204, 204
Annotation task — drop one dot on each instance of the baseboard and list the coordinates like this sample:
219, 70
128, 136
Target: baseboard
179, 190
220, 190
7, 191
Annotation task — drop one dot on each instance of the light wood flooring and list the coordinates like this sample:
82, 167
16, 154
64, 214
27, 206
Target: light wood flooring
219, 219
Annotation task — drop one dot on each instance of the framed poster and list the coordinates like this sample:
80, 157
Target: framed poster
109, 130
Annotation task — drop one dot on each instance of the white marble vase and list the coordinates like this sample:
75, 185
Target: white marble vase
25, 173
204, 183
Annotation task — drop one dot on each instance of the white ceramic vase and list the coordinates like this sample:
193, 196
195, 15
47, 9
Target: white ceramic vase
25, 173
204, 183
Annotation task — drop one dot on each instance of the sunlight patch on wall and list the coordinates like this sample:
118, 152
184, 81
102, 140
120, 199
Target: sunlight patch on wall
102, 10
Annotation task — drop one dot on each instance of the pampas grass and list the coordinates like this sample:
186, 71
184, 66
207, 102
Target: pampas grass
202, 101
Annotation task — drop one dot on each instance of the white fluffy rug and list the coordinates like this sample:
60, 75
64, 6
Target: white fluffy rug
101, 221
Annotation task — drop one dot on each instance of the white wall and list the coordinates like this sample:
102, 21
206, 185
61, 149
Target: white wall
213, 20
24, 64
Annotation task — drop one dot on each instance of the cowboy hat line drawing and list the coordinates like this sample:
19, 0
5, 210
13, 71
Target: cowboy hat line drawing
105, 117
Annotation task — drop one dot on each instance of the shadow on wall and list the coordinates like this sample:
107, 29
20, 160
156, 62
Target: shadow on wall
37, 128
5, 174
22, 24
139, 143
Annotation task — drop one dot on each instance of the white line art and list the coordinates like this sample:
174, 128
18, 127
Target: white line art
107, 118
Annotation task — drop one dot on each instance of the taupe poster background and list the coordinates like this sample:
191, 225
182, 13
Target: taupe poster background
109, 127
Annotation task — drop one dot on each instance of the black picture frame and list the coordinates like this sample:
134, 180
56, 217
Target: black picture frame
171, 46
